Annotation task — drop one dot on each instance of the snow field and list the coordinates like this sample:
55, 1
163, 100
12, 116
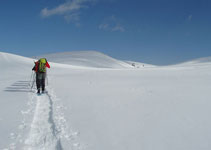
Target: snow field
90, 108
153, 108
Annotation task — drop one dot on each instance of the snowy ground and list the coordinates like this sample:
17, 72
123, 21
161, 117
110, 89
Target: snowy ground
147, 108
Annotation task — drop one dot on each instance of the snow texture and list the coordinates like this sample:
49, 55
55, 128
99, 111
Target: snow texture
105, 104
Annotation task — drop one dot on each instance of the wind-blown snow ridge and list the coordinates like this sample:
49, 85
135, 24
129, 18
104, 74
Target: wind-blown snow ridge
43, 134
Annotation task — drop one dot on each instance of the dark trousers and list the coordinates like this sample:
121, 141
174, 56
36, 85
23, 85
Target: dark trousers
40, 81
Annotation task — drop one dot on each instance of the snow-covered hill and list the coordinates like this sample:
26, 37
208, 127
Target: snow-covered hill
198, 61
157, 108
86, 58
202, 60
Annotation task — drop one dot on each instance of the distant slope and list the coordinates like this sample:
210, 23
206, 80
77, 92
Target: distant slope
14, 62
87, 59
198, 61
12, 58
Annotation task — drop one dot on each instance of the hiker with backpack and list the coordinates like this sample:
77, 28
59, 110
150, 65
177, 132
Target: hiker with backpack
40, 69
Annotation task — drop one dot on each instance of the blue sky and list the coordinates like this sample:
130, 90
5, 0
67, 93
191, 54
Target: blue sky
151, 31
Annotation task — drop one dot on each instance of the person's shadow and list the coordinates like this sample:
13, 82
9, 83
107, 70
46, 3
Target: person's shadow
19, 86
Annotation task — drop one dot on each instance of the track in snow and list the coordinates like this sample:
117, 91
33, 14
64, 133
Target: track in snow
43, 134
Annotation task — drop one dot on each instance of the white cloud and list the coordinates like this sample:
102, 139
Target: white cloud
67, 7
70, 10
118, 28
111, 24
104, 26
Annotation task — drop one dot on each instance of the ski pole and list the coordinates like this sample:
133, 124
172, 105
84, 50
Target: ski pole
47, 80
46, 77
32, 76
30, 79
33, 81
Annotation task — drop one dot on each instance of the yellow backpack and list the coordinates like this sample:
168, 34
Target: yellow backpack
42, 65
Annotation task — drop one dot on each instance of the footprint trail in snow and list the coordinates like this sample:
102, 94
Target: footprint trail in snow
43, 134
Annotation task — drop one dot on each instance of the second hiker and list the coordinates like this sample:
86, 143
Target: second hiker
40, 69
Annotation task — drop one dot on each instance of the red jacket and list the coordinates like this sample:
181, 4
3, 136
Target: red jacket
37, 64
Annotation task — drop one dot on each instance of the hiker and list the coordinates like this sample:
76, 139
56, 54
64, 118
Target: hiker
40, 69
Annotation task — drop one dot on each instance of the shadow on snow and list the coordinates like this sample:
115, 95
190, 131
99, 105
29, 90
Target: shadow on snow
19, 86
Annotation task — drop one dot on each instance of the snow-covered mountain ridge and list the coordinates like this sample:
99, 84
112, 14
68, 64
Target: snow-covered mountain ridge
92, 59
99, 60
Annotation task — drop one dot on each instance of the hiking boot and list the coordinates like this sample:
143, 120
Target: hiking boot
38, 91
